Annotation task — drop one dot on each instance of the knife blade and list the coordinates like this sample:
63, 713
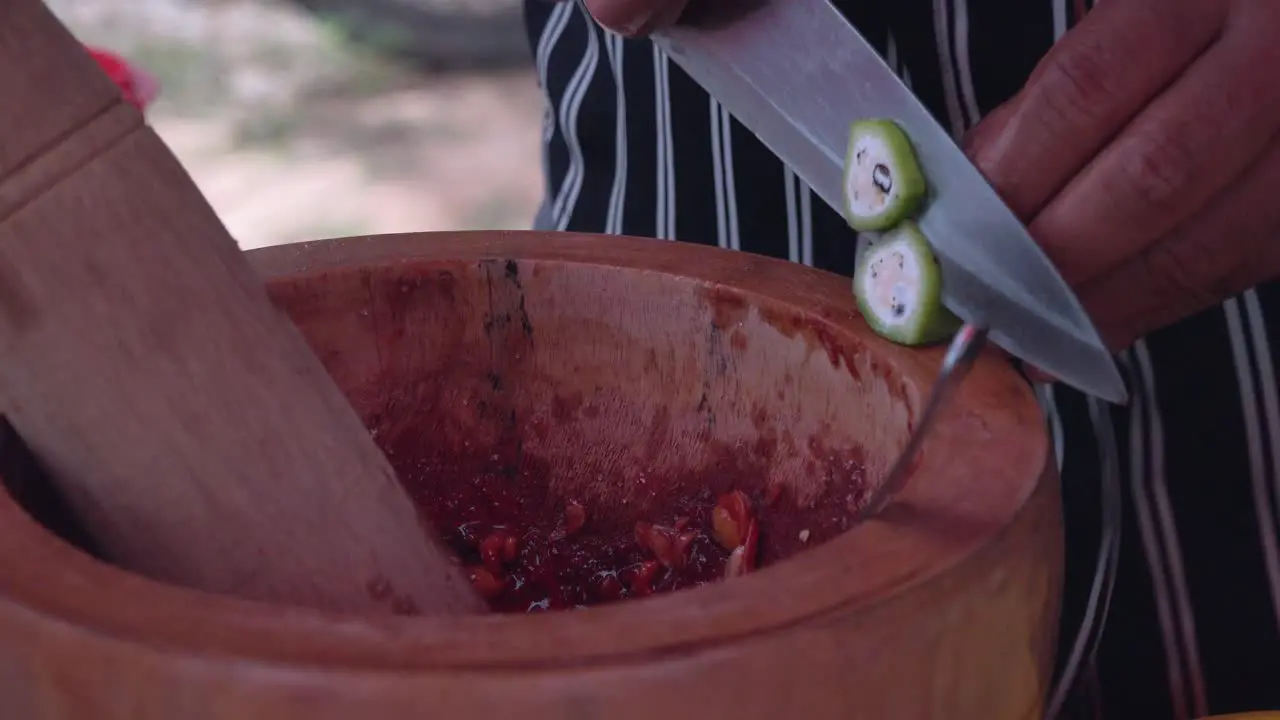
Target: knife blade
797, 74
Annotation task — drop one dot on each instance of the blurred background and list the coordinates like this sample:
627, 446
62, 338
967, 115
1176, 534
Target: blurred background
305, 119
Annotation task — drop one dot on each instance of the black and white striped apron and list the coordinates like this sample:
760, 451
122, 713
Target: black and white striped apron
633, 146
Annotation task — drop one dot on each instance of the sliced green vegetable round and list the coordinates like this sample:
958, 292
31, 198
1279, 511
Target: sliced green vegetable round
883, 183
898, 285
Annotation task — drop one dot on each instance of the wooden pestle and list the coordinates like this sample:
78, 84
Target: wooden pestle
182, 417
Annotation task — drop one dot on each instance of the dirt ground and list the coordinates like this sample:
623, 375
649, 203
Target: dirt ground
293, 134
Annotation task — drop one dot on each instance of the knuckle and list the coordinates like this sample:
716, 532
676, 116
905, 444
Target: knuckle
1162, 287
1076, 86
1156, 168
1181, 274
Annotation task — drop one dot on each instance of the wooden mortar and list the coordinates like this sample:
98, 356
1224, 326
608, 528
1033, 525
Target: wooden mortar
621, 364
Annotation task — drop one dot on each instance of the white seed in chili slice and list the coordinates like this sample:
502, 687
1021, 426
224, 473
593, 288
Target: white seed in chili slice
883, 183
898, 285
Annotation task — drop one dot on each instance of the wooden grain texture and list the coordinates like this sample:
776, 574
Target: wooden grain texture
187, 424
943, 606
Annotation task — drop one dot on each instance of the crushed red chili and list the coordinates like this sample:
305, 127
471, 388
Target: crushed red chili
526, 549
519, 567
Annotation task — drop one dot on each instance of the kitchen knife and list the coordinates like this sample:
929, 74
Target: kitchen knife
797, 74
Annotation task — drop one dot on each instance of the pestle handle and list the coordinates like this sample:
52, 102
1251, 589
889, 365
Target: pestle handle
185, 420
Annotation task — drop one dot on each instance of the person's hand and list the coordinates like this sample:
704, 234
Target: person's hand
1144, 152
636, 18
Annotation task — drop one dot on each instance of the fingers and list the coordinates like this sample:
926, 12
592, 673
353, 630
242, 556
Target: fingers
1096, 79
983, 134
635, 18
1186, 146
1232, 245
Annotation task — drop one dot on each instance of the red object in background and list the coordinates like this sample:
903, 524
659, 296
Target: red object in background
138, 86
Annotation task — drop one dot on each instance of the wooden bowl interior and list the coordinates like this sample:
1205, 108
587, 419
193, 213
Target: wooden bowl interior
625, 391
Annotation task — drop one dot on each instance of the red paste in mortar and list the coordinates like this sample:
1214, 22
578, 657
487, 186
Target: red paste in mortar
526, 550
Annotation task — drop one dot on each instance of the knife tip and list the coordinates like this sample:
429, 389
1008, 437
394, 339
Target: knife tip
1109, 386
